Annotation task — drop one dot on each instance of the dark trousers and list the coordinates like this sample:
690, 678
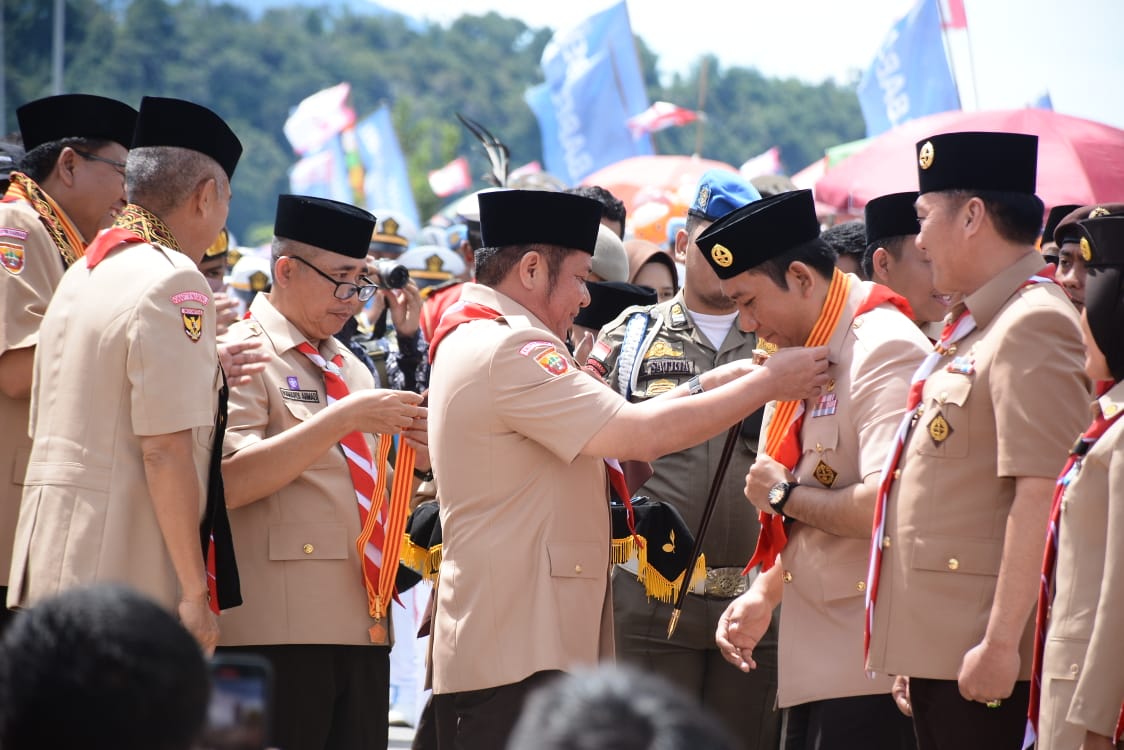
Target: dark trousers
861, 722
744, 702
483, 719
6, 614
945, 721
328, 697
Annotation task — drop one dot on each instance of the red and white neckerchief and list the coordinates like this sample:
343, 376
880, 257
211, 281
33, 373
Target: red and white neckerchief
960, 326
382, 531
1050, 558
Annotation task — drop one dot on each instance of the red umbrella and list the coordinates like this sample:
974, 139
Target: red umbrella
1079, 161
652, 176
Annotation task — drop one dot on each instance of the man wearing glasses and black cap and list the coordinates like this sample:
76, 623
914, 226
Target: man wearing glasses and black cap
304, 473
66, 188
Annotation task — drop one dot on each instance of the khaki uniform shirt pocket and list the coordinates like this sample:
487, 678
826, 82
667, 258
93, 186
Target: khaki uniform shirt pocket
944, 420
308, 541
844, 581
959, 555
575, 560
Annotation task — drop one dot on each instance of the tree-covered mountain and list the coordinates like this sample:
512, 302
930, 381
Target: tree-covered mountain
253, 66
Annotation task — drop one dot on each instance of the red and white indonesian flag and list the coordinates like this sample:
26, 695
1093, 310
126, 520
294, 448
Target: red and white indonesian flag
451, 178
318, 118
766, 163
659, 116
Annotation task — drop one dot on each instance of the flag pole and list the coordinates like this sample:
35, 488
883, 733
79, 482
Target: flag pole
702, 103
948, 53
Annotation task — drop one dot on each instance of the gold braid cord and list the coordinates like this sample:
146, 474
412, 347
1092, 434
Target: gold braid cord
66, 237
147, 226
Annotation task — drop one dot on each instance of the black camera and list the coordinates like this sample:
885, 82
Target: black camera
390, 274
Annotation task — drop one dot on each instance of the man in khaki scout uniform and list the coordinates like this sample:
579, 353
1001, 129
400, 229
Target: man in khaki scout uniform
666, 345
1082, 683
66, 189
519, 432
126, 384
289, 484
966, 513
782, 276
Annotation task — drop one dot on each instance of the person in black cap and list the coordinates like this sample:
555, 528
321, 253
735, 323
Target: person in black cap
817, 473
993, 413
1071, 254
1078, 651
518, 436
293, 446
647, 351
127, 396
1047, 245
65, 189
893, 259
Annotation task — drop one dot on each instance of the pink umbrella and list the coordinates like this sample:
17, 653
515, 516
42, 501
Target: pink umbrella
633, 179
1079, 161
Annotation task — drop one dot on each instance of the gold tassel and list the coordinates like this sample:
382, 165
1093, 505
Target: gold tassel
622, 550
658, 587
432, 564
413, 556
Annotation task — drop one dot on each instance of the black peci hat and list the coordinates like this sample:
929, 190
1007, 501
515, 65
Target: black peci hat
1054, 217
175, 122
759, 231
76, 116
1006, 162
1066, 229
608, 299
1102, 242
327, 224
539, 217
891, 215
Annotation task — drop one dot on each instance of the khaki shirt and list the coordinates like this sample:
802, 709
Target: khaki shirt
125, 350
525, 526
1006, 404
301, 576
676, 353
1083, 665
872, 357
32, 269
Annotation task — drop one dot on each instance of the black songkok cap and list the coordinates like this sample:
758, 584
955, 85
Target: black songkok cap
1067, 231
1102, 241
76, 116
891, 215
759, 231
539, 217
608, 299
1006, 162
1057, 213
330, 225
175, 122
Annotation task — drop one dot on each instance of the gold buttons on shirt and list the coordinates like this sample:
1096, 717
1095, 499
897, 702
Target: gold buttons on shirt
858, 323
860, 586
578, 569
953, 563
787, 576
308, 549
897, 473
886, 542
943, 397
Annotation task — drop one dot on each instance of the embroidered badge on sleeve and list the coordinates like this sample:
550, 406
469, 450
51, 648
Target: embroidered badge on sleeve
192, 322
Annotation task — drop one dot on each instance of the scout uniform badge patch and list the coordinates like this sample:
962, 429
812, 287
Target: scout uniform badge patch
939, 429
827, 403
192, 322
12, 257
824, 474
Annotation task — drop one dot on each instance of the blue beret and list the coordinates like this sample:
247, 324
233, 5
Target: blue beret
721, 192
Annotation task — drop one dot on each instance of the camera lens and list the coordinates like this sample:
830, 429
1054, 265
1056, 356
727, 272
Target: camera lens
391, 275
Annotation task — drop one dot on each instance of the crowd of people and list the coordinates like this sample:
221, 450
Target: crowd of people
879, 416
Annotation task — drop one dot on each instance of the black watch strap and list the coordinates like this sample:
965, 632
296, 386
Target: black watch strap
425, 476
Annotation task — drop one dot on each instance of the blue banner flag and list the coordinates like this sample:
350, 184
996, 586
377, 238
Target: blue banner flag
362, 165
910, 76
593, 85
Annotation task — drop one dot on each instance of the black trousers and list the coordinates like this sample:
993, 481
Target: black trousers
483, 719
328, 697
861, 722
945, 721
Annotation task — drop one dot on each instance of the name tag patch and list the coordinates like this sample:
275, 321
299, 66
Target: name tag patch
308, 397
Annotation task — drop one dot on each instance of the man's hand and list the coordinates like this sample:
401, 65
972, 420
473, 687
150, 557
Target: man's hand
417, 437
226, 312
797, 373
763, 474
741, 627
900, 691
405, 308
988, 672
241, 359
200, 621
1095, 741
383, 411
726, 372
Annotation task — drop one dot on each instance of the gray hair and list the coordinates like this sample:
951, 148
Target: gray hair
161, 178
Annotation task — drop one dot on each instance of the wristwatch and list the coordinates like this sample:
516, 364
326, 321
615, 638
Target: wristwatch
779, 494
695, 385
425, 476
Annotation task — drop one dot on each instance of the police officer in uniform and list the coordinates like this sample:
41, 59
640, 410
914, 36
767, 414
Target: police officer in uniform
641, 354
127, 384
519, 433
66, 189
292, 489
783, 276
958, 560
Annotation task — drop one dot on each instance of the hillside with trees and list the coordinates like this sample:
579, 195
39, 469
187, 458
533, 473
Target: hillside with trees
253, 68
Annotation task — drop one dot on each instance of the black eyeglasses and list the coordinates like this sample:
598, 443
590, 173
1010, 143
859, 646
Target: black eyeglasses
118, 166
344, 289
